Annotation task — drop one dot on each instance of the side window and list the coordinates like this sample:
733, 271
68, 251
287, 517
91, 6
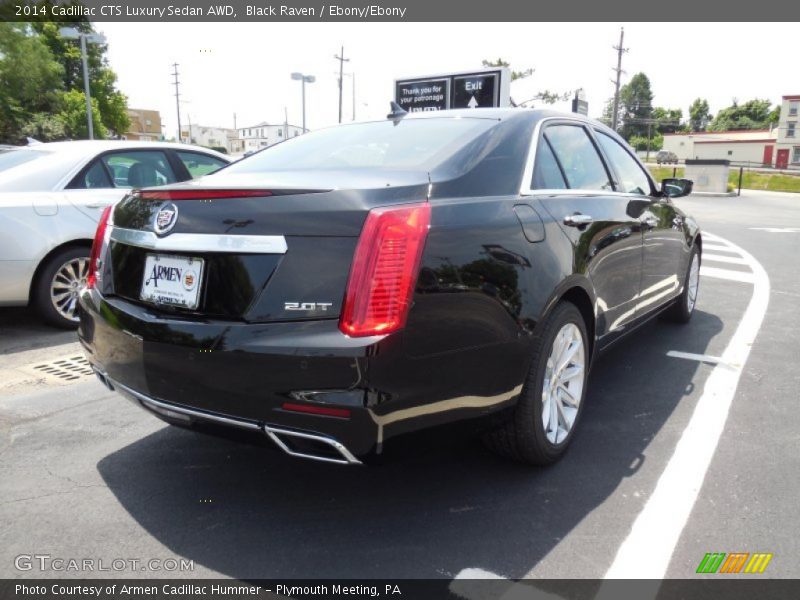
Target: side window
200, 164
634, 180
95, 177
577, 155
138, 169
547, 174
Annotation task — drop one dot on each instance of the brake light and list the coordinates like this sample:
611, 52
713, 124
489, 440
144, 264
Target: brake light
325, 411
99, 243
384, 271
201, 194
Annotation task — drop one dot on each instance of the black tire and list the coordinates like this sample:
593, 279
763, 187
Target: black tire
523, 437
682, 309
41, 298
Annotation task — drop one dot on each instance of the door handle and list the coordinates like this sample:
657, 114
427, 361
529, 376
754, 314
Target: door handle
649, 221
97, 205
577, 220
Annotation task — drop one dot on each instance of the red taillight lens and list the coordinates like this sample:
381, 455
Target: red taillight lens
97, 246
325, 411
384, 270
201, 194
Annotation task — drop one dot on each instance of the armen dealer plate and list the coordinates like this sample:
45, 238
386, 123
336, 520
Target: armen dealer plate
173, 280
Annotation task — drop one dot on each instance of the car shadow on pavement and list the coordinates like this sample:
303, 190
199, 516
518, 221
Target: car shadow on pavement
247, 512
22, 329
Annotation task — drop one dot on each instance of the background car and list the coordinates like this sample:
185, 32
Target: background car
666, 157
51, 196
365, 281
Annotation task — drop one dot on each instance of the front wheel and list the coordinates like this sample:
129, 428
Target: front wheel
551, 402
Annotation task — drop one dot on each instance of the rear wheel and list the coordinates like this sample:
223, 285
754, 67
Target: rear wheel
551, 401
56, 289
682, 309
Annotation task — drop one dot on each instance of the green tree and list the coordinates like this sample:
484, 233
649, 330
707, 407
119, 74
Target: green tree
111, 103
30, 85
753, 114
545, 96
73, 116
668, 119
699, 115
636, 106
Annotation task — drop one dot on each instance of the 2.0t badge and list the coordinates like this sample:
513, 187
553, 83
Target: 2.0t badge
165, 219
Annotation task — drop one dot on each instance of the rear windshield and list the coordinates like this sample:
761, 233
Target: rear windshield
12, 157
405, 145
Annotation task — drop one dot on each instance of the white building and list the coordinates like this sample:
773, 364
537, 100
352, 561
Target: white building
203, 135
777, 147
262, 135
752, 145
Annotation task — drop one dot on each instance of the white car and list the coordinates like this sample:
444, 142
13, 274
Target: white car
51, 197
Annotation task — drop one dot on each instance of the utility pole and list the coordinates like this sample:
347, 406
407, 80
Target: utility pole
341, 60
285, 123
234, 121
620, 51
177, 99
71, 33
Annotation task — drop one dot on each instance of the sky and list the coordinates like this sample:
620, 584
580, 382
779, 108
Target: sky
245, 68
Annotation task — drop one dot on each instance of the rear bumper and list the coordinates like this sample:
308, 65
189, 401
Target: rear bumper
239, 374
283, 438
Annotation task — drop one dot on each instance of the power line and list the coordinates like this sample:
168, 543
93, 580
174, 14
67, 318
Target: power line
620, 51
177, 99
341, 60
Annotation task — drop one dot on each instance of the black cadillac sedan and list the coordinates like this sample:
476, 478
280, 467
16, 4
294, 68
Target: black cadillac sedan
369, 280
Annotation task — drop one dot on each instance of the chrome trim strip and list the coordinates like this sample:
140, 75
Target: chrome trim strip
272, 432
201, 242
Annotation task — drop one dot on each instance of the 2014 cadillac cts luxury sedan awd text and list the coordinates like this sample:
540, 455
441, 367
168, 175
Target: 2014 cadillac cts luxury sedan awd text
361, 282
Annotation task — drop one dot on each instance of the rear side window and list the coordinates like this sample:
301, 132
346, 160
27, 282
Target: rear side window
200, 164
633, 178
547, 173
575, 151
139, 169
95, 177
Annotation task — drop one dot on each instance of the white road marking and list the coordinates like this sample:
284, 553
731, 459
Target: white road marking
739, 276
725, 259
704, 358
777, 229
479, 584
648, 549
717, 248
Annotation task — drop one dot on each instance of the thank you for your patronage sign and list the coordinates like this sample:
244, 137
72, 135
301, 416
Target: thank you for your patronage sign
482, 88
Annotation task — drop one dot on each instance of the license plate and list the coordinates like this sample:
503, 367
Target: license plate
173, 280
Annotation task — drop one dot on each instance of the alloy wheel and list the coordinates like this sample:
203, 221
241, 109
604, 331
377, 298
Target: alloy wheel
694, 283
562, 389
67, 283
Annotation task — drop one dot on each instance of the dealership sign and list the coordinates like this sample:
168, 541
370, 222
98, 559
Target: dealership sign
482, 88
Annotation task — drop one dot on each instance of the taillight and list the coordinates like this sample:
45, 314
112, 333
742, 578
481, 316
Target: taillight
100, 241
384, 271
201, 194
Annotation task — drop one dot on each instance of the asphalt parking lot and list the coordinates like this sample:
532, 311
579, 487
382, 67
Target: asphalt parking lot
665, 468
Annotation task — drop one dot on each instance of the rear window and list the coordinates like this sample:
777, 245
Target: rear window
406, 144
13, 157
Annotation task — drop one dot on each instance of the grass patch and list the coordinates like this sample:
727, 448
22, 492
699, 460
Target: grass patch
751, 180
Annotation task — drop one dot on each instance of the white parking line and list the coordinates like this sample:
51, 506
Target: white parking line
777, 229
647, 551
739, 276
725, 259
717, 248
704, 358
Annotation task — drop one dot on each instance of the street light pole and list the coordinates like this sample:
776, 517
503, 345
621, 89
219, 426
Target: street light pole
303, 80
86, 92
71, 33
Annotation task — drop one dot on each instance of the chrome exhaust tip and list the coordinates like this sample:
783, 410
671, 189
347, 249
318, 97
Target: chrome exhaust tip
340, 455
103, 378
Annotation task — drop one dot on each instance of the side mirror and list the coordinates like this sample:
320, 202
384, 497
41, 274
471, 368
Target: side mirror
676, 188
